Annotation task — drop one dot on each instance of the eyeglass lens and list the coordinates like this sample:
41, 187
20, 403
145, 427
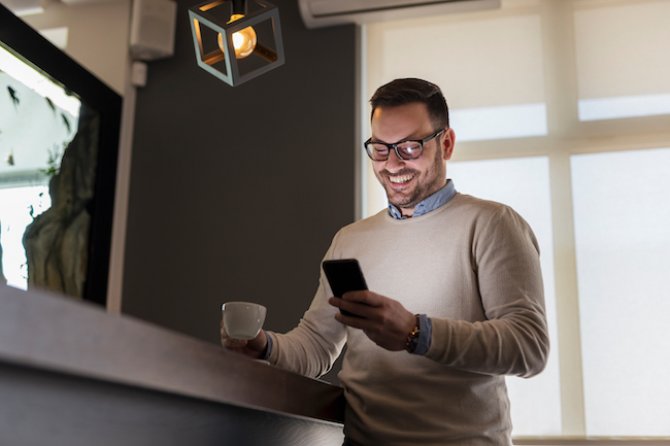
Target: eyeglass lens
405, 150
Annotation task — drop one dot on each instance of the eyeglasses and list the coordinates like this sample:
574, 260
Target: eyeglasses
408, 149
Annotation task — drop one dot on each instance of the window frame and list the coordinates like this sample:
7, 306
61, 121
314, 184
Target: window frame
566, 136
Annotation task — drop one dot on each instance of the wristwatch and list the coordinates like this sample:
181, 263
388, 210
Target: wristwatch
413, 336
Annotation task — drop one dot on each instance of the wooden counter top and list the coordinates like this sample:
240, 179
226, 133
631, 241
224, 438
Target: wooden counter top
53, 333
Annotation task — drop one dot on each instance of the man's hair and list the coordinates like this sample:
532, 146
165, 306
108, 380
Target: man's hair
409, 90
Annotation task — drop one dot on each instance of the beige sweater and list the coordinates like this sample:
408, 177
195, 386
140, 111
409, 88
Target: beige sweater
473, 267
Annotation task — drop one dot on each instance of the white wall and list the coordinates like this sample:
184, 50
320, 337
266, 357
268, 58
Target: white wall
97, 36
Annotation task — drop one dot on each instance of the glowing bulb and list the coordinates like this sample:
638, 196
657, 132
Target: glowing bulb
244, 41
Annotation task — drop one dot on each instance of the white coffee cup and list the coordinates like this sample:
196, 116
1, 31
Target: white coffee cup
243, 320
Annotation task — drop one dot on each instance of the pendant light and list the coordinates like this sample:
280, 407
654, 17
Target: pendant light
237, 40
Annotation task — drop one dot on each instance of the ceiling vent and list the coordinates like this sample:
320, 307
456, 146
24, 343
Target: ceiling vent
318, 13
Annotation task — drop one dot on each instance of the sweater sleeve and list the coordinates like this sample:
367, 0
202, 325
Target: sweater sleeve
513, 338
313, 346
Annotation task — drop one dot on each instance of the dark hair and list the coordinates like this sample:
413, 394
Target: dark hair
408, 90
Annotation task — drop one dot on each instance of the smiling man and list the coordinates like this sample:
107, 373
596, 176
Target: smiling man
455, 302
410, 175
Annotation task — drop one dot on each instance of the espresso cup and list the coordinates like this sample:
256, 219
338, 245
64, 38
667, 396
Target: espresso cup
243, 320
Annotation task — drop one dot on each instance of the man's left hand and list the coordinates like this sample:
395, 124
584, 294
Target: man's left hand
384, 320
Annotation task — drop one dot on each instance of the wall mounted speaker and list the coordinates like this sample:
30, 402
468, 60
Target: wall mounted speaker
152, 29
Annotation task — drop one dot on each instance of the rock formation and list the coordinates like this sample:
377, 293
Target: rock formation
57, 241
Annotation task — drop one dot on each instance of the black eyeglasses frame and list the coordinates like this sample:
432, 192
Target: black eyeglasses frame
395, 145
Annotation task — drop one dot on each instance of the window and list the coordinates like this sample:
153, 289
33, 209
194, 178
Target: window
526, 189
501, 56
38, 119
569, 102
622, 70
622, 235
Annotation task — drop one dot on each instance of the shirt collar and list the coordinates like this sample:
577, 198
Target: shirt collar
430, 203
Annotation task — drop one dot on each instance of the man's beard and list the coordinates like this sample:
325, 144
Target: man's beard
420, 191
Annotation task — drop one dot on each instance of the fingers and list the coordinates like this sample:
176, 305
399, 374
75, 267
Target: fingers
254, 348
234, 344
385, 321
230, 343
364, 297
363, 304
354, 321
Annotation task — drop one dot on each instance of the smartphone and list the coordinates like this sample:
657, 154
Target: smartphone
344, 275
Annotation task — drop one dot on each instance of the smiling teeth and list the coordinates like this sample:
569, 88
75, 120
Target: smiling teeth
400, 179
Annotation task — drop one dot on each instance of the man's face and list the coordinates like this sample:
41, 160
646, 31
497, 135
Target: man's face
408, 182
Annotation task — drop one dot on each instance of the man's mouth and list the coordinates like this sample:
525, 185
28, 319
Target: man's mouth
400, 179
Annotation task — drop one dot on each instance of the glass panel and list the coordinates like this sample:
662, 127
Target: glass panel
622, 221
39, 121
493, 78
624, 107
20, 205
622, 69
499, 122
536, 401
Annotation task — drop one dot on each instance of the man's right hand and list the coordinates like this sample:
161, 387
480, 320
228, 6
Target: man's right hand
253, 348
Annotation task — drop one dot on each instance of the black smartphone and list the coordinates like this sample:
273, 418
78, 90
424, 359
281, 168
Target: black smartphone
344, 275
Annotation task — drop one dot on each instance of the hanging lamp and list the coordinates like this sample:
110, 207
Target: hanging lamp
237, 40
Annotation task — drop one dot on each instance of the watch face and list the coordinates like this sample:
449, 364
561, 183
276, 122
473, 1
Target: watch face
413, 337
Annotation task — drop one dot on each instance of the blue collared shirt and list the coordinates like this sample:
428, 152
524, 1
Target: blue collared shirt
430, 203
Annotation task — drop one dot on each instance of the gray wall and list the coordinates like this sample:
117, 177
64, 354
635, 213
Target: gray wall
236, 192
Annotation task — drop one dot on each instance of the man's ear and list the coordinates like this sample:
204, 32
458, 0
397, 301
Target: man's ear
448, 143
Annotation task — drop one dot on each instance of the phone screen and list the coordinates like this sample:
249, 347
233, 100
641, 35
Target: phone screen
344, 275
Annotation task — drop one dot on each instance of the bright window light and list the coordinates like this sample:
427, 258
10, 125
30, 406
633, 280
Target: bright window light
624, 107
541, 69
512, 121
620, 49
35, 80
622, 221
18, 203
535, 402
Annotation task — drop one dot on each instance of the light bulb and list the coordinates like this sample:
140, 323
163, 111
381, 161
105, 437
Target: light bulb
244, 41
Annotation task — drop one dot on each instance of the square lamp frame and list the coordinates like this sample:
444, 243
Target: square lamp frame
224, 64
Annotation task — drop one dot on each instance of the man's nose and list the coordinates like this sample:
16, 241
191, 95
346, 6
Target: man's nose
394, 160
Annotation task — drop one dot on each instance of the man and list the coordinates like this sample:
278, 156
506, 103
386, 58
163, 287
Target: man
455, 301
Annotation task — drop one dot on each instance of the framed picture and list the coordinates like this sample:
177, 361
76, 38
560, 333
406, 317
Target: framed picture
59, 135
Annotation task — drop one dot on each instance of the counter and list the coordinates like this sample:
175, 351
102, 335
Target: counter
72, 374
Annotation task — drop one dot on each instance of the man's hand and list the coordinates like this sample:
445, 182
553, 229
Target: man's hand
253, 348
385, 321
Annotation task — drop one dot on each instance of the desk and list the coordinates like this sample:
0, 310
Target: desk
72, 374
